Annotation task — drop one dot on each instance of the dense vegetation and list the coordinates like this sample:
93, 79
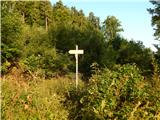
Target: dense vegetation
120, 78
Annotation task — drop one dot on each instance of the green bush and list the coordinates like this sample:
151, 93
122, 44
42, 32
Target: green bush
11, 27
48, 65
39, 54
118, 94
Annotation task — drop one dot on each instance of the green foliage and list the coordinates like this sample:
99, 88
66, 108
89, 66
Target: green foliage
94, 20
111, 27
42, 12
11, 32
5, 67
157, 57
36, 99
31, 17
39, 53
119, 94
135, 52
156, 75
23, 30
11, 27
45, 13
9, 56
70, 28
121, 51
60, 13
49, 64
155, 12
109, 56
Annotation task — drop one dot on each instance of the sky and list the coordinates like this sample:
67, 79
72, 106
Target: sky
133, 15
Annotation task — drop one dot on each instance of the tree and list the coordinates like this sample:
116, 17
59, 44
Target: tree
11, 27
21, 8
122, 51
155, 17
135, 52
32, 18
45, 13
60, 13
94, 20
155, 12
71, 28
41, 16
7, 7
111, 27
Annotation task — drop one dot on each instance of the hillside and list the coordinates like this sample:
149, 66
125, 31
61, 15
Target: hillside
119, 79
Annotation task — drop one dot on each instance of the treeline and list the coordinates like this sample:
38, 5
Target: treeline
36, 37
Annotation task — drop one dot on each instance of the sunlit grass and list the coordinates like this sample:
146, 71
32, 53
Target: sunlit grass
35, 99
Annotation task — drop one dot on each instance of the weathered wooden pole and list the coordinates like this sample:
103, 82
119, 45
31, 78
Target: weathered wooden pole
76, 52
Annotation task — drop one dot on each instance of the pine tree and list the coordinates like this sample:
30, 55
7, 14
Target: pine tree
111, 27
45, 13
155, 17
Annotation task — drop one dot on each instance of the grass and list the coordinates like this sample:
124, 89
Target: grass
57, 99
36, 99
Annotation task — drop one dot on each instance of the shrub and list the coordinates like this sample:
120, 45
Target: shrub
11, 27
48, 65
40, 55
119, 94
9, 56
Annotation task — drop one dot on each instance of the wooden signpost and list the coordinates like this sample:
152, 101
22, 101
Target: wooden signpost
76, 52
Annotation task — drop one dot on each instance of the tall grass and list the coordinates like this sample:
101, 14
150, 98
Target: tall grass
36, 99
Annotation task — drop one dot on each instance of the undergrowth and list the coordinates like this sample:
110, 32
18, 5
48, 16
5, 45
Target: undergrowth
120, 94
35, 99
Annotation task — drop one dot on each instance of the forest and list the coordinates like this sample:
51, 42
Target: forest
119, 79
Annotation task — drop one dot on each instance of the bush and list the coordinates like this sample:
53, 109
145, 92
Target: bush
47, 65
11, 27
119, 94
39, 54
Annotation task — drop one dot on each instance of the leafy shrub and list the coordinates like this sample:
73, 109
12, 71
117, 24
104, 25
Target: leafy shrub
156, 75
5, 67
119, 94
48, 65
11, 27
39, 54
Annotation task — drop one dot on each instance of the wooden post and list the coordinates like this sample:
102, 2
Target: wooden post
76, 52
76, 55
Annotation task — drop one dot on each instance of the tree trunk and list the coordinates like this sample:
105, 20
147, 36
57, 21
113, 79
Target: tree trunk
23, 17
46, 23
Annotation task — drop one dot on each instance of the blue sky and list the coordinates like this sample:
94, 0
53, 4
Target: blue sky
133, 14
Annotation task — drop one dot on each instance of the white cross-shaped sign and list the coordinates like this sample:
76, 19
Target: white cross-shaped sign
76, 52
